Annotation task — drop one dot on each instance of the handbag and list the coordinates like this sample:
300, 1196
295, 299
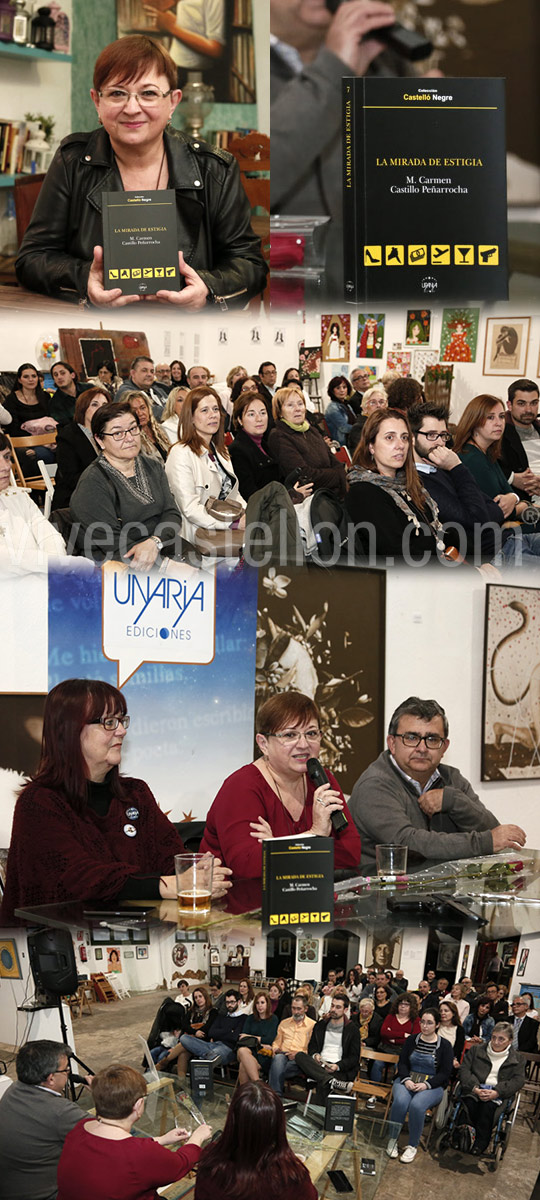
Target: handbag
224, 510
250, 1041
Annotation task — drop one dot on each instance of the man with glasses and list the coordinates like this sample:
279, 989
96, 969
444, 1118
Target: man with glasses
410, 798
524, 1028
462, 506
35, 1118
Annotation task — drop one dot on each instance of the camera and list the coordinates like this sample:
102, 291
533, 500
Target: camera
410, 45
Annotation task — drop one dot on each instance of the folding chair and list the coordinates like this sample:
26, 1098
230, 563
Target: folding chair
48, 471
35, 482
366, 1087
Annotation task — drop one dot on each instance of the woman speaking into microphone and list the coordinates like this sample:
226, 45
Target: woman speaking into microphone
275, 795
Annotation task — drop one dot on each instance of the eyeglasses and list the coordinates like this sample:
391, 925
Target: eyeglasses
290, 736
433, 436
432, 740
112, 723
61, 1071
118, 97
120, 435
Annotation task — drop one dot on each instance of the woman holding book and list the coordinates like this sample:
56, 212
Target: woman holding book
135, 94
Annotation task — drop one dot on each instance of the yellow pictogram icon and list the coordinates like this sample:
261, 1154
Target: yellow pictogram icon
488, 256
417, 256
147, 272
284, 919
274, 919
169, 272
136, 273
373, 256
125, 273
113, 273
464, 256
294, 919
159, 272
440, 255
395, 256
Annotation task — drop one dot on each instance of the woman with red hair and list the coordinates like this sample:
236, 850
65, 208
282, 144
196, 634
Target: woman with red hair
478, 440
82, 831
252, 1152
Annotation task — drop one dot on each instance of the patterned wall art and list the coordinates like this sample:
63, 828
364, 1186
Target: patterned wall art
418, 327
370, 339
422, 359
336, 337
459, 335
506, 345
511, 698
399, 360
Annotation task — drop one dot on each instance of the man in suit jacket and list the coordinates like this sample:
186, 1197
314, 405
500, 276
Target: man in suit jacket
35, 1118
525, 1036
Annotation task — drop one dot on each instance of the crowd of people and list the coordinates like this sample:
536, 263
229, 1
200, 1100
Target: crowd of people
311, 1035
171, 450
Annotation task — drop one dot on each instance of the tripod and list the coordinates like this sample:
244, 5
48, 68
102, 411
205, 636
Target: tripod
72, 1078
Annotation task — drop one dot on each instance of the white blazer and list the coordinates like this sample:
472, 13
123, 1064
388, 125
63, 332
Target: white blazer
193, 480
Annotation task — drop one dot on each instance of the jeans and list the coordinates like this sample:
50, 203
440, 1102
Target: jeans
202, 1049
158, 1052
482, 1114
416, 1105
282, 1068
519, 547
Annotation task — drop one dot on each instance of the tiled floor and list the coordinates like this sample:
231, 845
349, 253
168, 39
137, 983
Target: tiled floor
110, 1034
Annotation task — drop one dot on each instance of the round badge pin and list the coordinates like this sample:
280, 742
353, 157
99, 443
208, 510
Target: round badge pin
130, 831
132, 814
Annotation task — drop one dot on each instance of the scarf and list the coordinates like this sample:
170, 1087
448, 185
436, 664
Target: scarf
397, 489
303, 428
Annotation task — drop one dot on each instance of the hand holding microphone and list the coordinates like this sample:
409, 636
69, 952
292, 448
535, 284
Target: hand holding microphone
328, 804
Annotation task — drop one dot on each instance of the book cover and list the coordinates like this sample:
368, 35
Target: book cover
140, 242
424, 189
297, 882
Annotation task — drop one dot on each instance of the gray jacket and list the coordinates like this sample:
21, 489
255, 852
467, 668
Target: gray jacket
385, 809
34, 1123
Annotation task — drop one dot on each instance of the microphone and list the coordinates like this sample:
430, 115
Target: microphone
406, 42
318, 776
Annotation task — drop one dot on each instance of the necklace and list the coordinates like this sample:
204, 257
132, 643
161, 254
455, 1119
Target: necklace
159, 172
278, 790
101, 1121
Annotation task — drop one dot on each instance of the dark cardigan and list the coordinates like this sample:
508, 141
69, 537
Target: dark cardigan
252, 467
309, 451
74, 453
368, 504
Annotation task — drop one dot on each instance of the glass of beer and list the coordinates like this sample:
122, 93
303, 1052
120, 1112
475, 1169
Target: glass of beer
194, 883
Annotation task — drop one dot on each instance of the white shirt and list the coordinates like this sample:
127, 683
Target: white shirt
205, 18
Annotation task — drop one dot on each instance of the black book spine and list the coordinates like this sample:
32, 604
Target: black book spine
350, 205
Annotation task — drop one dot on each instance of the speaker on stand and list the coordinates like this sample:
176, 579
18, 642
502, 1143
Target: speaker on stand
54, 970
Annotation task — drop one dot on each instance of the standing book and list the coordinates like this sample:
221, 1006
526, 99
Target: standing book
424, 189
140, 242
297, 882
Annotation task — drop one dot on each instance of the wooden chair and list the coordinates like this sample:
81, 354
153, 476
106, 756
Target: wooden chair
105, 994
79, 1001
367, 1087
252, 153
35, 482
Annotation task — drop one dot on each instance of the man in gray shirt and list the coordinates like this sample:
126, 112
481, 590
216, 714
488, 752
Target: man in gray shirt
410, 798
35, 1119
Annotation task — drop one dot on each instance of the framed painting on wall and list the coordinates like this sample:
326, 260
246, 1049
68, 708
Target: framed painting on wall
86, 348
370, 339
336, 337
9, 960
506, 345
418, 327
459, 335
511, 684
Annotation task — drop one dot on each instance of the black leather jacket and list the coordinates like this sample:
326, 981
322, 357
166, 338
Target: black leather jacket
214, 229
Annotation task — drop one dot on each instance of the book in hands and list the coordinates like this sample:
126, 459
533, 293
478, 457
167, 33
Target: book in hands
140, 242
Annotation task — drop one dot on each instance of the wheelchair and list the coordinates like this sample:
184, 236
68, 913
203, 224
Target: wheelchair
500, 1133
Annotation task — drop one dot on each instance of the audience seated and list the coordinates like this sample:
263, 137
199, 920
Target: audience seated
102, 1149
28, 543
154, 439
197, 1023
76, 446
452, 1029
339, 414
477, 440
524, 1027
35, 1119
293, 1036
218, 1038
491, 1071
255, 1042
295, 443
199, 470
333, 1049
171, 412
478, 1026
253, 1152
68, 389
397, 1026
423, 1074
28, 405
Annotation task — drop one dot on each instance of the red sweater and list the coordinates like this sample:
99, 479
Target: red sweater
395, 1033
130, 1169
246, 796
58, 855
